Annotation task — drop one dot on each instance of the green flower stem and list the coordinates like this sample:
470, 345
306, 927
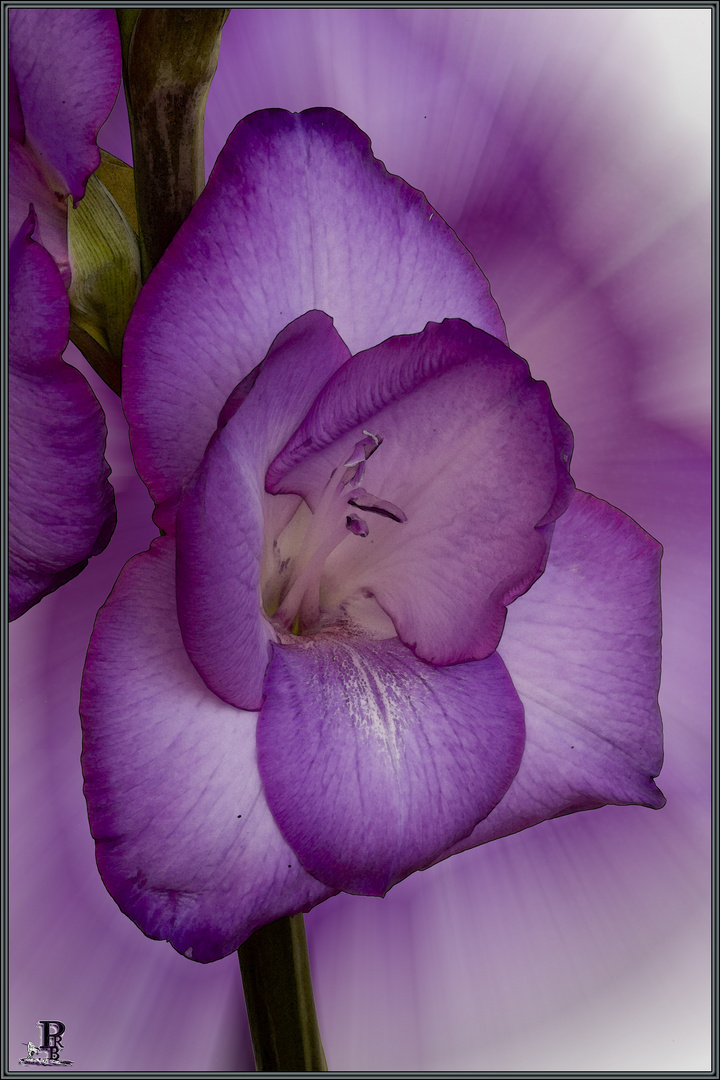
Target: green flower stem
279, 998
170, 56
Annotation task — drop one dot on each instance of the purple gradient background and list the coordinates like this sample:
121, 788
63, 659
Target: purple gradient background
569, 149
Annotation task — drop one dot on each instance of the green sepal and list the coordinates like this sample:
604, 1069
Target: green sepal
104, 256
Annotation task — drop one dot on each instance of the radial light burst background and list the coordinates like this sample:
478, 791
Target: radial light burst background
569, 149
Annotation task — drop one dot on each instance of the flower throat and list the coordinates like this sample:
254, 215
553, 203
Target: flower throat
334, 517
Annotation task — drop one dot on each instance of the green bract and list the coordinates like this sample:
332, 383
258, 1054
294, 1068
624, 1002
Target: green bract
104, 255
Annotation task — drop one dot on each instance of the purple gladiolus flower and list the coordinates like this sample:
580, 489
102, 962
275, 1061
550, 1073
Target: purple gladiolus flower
382, 625
64, 72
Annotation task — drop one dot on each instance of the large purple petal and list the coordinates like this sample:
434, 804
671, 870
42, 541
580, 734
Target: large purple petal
226, 513
61, 505
297, 215
475, 457
66, 68
185, 842
371, 759
583, 649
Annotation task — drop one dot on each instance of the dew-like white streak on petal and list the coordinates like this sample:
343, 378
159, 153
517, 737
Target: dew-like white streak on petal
370, 758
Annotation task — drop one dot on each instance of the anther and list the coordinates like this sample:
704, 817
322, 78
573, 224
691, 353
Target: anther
372, 505
356, 525
363, 449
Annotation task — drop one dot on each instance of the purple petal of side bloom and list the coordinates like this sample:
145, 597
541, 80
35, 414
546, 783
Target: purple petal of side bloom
64, 72
27, 186
185, 841
297, 215
371, 758
473, 455
582, 649
65, 65
16, 124
61, 506
226, 511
